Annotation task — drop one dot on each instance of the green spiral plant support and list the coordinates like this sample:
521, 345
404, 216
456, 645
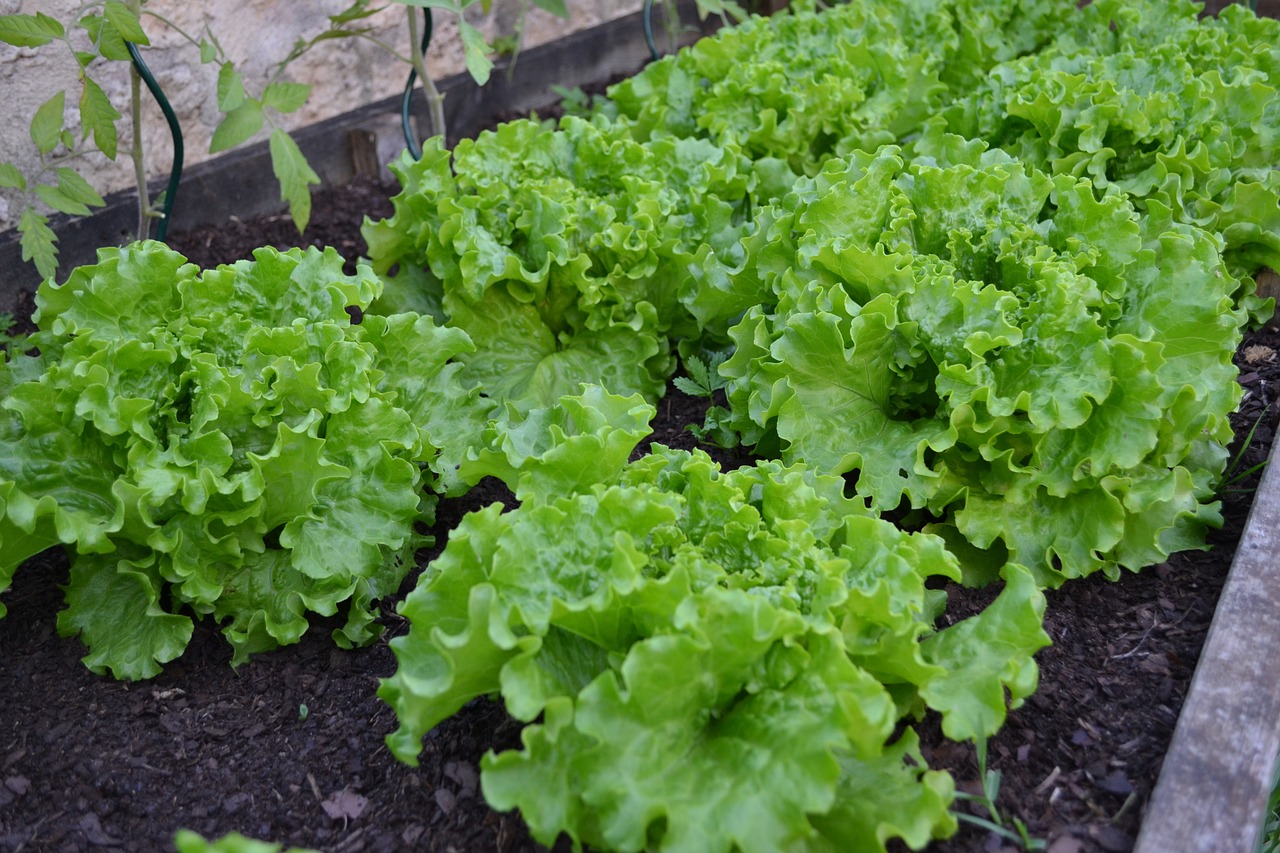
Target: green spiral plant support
410, 142
648, 31
175, 130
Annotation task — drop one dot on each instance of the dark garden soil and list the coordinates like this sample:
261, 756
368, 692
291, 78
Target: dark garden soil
289, 748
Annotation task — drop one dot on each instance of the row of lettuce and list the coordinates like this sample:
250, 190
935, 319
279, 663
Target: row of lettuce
979, 266
993, 257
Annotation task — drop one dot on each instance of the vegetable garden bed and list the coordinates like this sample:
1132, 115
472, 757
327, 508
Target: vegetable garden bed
291, 748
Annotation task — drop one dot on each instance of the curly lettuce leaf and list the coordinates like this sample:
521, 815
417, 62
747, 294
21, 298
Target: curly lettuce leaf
129, 291
114, 605
837, 413
583, 440
987, 660
524, 364
421, 373
893, 795
652, 770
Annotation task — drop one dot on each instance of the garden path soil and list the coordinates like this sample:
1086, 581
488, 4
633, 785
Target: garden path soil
290, 748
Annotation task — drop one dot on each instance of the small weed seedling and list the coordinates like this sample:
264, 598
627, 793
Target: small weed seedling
1233, 474
987, 799
704, 380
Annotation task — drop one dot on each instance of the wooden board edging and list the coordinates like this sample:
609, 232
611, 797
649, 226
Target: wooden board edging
1217, 776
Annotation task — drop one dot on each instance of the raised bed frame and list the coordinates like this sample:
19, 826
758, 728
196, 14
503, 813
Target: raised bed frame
1218, 773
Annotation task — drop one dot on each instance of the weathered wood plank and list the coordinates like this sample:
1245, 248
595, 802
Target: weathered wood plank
1217, 775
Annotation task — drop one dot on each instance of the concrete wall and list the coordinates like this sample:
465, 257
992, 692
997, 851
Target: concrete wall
256, 34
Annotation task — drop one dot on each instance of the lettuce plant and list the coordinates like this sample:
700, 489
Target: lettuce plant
564, 253
1147, 100
224, 443
1045, 372
709, 660
800, 87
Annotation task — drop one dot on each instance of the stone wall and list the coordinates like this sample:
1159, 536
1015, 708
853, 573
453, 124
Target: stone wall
256, 34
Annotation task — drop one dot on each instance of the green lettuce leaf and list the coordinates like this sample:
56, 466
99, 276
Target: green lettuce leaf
524, 364
583, 440
987, 660
114, 605
651, 769
894, 795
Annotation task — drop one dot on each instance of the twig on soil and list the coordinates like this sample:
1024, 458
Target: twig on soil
1129, 802
36, 826
1146, 634
1048, 782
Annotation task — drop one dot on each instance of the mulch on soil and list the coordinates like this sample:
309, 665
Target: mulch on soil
289, 748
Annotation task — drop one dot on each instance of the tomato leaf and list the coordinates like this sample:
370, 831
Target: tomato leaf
231, 94
73, 186
295, 176
475, 51
98, 117
60, 201
12, 177
237, 126
286, 97
22, 30
125, 22
39, 243
46, 125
